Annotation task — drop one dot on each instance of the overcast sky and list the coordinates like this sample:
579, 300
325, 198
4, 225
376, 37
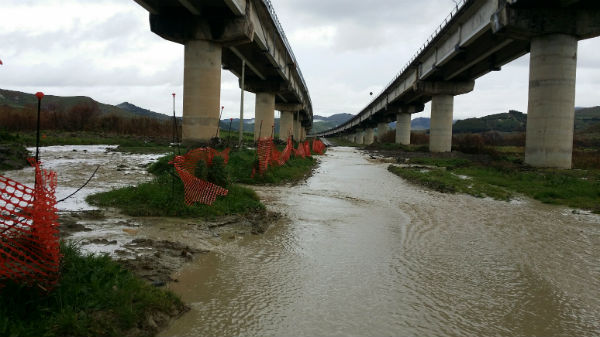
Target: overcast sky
346, 48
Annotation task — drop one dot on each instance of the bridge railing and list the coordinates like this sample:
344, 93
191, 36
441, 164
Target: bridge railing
459, 5
275, 19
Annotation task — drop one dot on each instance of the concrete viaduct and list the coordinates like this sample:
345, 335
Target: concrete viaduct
481, 36
240, 36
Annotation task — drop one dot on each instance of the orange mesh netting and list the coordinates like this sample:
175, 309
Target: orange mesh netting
318, 147
264, 151
306, 148
301, 151
280, 158
29, 246
268, 155
196, 190
206, 154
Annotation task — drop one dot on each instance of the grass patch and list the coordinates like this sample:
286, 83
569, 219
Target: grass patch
501, 179
156, 198
164, 196
241, 163
448, 182
95, 296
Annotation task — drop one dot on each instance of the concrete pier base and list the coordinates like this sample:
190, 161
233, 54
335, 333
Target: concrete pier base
551, 109
369, 136
286, 125
440, 137
201, 92
264, 119
382, 129
403, 128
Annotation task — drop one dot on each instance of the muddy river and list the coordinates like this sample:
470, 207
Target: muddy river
361, 252
367, 254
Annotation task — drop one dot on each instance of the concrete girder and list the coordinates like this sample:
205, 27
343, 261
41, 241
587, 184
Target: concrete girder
288, 107
181, 27
444, 88
527, 23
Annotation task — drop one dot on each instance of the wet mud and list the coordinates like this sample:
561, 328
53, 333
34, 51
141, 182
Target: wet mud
152, 248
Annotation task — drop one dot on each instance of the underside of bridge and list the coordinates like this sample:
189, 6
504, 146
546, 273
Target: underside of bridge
244, 37
480, 37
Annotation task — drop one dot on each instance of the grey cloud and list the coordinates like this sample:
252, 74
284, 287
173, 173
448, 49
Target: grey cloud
120, 29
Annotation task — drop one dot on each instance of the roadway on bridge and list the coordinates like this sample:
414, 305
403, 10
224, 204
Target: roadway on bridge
365, 253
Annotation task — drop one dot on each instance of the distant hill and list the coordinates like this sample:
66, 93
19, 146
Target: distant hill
321, 123
513, 121
17, 99
586, 118
516, 121
421, 123
136, 110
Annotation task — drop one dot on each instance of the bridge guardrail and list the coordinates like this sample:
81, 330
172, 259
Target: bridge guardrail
275, 19
459, 5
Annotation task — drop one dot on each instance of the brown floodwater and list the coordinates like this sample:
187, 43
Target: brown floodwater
365, 253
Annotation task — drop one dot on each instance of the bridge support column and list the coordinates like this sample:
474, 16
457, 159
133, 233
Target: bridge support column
360, 138
302, 133
442, 106
201, 91
297, 127
403, 128
551, 110
369, 136
286, 125
440, 135
264, 120
382, 129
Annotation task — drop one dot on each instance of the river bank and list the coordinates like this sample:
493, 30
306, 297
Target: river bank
495, 172
152, 248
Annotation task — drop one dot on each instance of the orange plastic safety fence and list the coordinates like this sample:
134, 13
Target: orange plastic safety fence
265, 152
301, 151
318, 147
307, 148
280, 158
206, 154
29, 242
196, 190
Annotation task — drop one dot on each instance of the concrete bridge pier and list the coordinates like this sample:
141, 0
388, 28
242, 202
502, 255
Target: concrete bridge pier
302, 133
201, 91
369, 136
403, 121
403, 128
442, 109
264, 119
382, 129
551, 113
297, 126
360, 138
286, 125
440, 134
